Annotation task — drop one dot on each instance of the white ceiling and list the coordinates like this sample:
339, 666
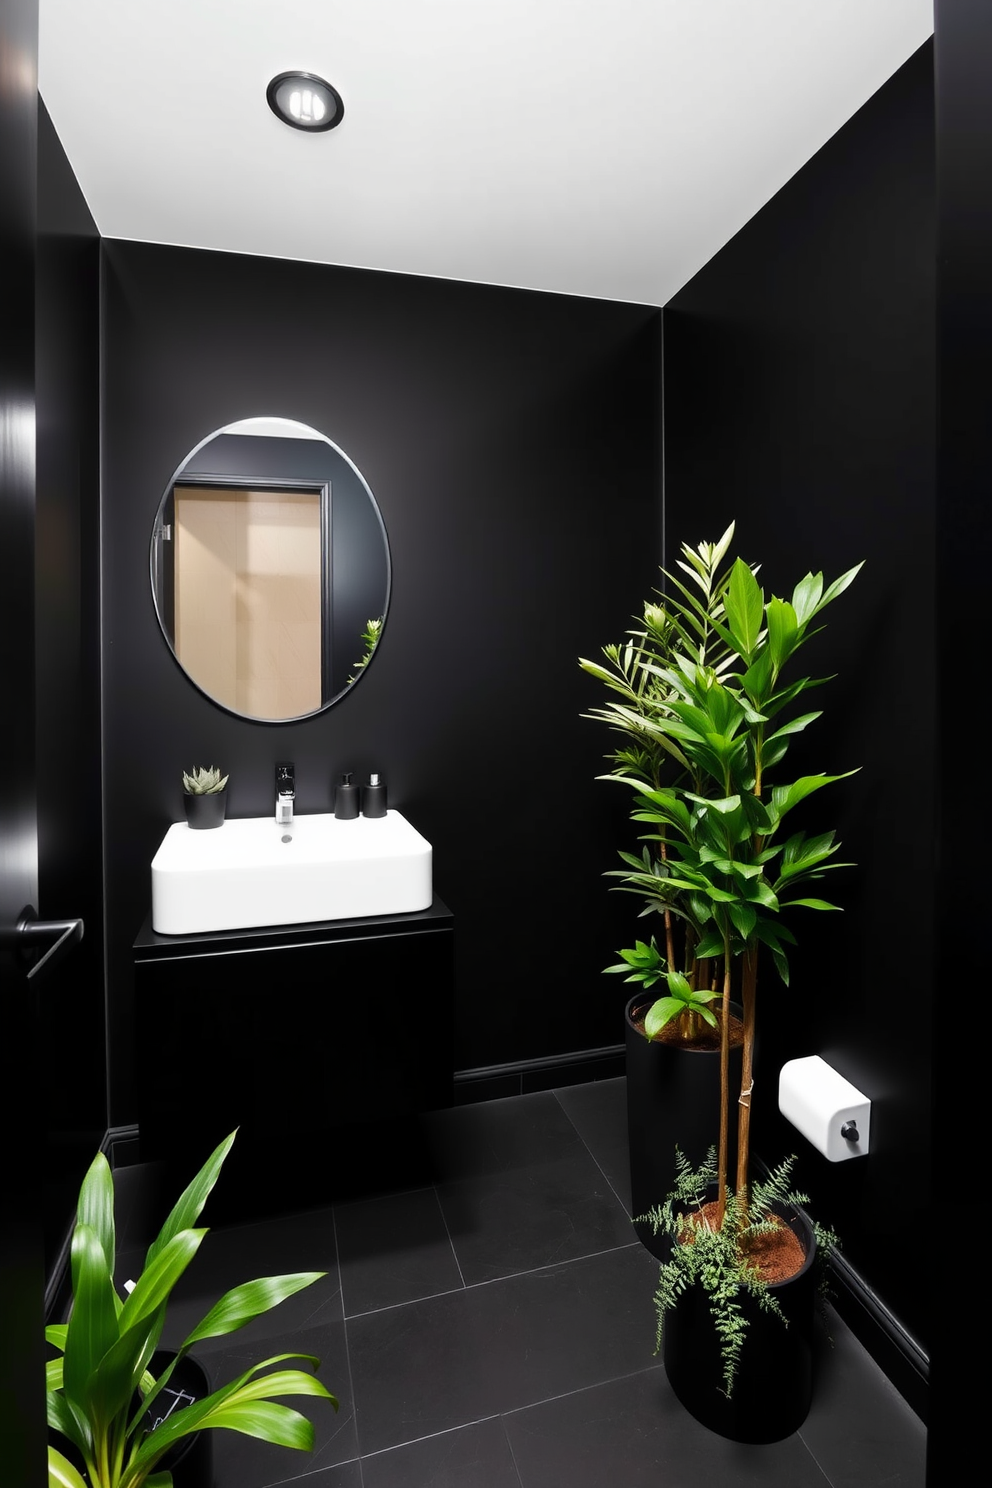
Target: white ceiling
593, 149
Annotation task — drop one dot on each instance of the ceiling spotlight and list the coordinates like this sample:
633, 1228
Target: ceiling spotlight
304, 101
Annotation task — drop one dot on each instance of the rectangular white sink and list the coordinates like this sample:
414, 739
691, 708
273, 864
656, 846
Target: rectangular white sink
250, 873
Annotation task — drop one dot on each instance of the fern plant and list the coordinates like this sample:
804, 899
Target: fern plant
717, 1256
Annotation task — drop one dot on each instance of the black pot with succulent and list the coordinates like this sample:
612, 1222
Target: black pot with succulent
205, 797
707, 718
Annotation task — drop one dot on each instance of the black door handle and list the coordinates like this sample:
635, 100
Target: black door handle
29, 933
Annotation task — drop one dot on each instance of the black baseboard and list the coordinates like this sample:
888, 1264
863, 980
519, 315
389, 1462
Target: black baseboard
522, 1077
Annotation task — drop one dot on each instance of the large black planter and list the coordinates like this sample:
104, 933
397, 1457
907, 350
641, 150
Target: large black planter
774, 1384
191, 1459
673, 1098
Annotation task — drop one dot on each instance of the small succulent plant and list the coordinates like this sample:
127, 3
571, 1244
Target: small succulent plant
203, 782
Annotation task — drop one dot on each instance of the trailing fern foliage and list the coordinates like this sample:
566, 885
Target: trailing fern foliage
716, 1258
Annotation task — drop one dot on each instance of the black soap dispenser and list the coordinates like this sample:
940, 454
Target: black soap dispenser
374, 797
346, 798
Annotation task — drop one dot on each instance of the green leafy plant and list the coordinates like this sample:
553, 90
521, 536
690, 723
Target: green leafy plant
202, 782
706, 715
370, 639
719, 1257
646, 964
100, 1391
684, 623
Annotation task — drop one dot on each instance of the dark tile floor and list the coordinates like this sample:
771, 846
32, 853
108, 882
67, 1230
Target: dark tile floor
495, 1329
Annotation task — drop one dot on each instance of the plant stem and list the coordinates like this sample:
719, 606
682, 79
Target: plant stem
722, 1157
749, 986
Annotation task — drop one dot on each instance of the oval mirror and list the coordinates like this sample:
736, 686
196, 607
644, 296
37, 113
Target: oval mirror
270, 569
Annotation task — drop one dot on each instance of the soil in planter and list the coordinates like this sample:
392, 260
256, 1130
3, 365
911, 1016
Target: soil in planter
776, 1255
704, 1040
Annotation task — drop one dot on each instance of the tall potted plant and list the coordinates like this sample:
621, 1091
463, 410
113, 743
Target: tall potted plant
720, 856
671, 1039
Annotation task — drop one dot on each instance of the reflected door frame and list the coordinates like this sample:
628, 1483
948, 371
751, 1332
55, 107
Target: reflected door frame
164, 577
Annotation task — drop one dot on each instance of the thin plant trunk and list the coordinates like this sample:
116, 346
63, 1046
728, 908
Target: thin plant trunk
749, 986
722, 1154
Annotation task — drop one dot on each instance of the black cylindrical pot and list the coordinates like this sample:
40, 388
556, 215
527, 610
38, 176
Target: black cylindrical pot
203, 812
774, 1384
190, 1460
673, 1099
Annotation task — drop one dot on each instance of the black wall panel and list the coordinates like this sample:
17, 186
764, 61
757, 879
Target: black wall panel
511, 440
800, 400
67, 567
962, 54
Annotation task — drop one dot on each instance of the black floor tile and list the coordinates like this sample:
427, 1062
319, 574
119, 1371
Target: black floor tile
881, 1439
245, 1462
598, 1111
634, 1433
499, 1135
434, 1365
538, 1215
275, 1247
531, 1364
476, 1456
392, 1250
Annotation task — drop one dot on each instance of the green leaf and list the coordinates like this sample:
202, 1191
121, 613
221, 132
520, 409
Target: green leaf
813, 904
189, 1205
744, 605
119, 1372
806, 597
660, 1013
61, 1473
96, 1205
795, 726
55, 1334
92, 1327
839, 585
245, 1302
783, 630
159, 1277
69, 1420
785, 797
743, 918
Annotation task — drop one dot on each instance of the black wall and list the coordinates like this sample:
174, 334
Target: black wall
511, 440
800, 400
962, 49
67, 650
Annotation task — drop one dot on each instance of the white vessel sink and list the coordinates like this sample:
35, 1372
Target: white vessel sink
250, 873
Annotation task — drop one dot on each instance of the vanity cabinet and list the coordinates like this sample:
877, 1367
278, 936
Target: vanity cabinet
314, 1040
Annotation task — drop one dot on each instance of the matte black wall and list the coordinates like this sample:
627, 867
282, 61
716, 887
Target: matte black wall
511, 440
962, 49
800, 400
67, 565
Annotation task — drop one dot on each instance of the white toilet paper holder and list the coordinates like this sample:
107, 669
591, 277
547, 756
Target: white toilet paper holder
829, 1111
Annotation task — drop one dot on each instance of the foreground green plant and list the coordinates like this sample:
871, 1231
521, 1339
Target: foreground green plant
717, 1257
203, 782
100, 1391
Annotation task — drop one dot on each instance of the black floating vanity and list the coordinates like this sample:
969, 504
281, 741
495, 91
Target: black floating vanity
321, 1042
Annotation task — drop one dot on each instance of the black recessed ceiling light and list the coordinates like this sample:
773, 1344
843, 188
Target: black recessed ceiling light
304, 101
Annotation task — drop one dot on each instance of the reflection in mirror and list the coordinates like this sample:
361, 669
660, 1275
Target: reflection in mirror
270, 569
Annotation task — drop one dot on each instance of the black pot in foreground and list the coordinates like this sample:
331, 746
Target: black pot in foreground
191, 1459
774, 1385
